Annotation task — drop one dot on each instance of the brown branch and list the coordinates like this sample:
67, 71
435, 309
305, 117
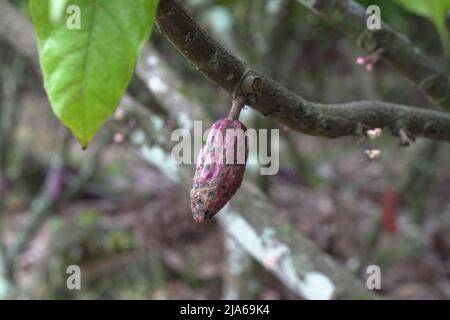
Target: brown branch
306, 258
298, 256
264, 94
289, 255
351, 17
269, 98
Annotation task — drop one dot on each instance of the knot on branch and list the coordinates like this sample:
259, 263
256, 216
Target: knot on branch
368, 40
249, 86
437, 83
405, 138
427, 82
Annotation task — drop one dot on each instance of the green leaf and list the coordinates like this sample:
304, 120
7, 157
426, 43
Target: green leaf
87, 70
434, 10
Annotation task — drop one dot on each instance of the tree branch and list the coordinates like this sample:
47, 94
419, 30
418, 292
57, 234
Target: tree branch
269, 98
265, 95
304, 258
351, 17
284, 251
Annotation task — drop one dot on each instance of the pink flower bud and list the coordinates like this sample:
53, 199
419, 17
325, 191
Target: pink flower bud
369, 67
220, 168
361, 60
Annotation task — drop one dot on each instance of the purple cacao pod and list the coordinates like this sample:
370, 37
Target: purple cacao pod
219, 169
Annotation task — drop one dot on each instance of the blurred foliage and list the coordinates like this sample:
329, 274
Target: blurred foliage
436, 11
307, 55
82, 240
22, 5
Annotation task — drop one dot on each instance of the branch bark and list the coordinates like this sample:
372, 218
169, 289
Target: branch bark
306, 259
351, 17
269, 238
271, 99
265, 95
286, 253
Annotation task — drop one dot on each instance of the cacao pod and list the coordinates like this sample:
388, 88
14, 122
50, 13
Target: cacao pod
219, 169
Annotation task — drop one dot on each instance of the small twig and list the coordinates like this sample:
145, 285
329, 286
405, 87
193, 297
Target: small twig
236, 107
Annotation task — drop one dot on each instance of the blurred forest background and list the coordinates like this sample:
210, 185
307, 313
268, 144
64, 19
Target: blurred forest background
119, 211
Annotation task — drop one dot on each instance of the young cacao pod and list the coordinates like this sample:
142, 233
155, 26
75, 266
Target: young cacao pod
219, 169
